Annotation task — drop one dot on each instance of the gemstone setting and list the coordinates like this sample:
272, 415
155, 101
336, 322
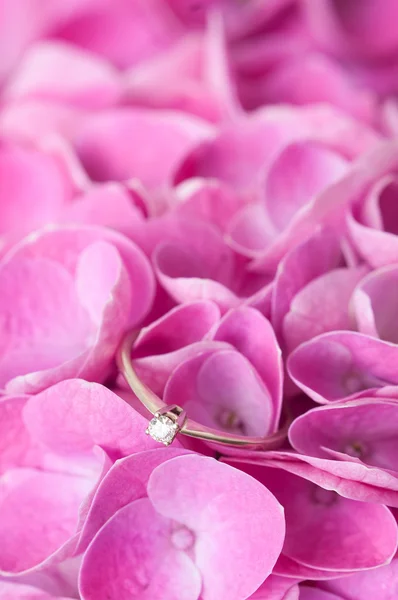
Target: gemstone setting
162, 429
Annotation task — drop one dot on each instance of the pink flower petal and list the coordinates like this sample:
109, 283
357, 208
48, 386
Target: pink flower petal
39, 512
111, 144
220, 389
18, 591
379, 583
126, 33
49, 326
361, 428
173, 338
299, 173
37, 186
242, 536
327, 531
277, 588
61, 417
350, 479
125, 482
315, 256
132, 556
310, 593
321, 306
375, 301
199, 266
252, 335
208, 200
341, 365
16, 446
87, 81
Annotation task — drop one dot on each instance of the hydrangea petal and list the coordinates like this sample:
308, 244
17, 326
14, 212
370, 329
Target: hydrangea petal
252, 520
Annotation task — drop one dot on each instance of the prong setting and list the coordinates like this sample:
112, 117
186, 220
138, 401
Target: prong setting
162, 429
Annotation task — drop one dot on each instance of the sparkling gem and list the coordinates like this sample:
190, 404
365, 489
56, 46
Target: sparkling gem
162, 429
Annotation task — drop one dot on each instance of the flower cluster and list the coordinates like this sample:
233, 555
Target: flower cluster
222, 176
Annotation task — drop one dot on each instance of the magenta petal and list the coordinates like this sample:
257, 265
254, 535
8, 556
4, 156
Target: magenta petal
37, 186
173, 338
327, 531
277, 588
208, 200
39, 292
18, 591
16, 446
65, 245
109, 205
132, 556
300, 172
321, 306
379, 583
375, 302
240, 536
365, 429
317, 255
343, 364
61, 417
351, 479
220, 389
291, 569
198, 266
310, 593
252, 335
39, 512
111, 144
87, 82
125, 482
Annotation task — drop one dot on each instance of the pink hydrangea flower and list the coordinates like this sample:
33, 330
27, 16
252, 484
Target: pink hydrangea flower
222, 177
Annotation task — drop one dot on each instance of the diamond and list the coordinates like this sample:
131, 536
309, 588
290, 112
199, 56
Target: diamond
162, 429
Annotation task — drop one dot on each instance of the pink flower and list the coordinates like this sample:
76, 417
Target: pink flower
320, 509
214, 367
168, 533
58, 455
65, 289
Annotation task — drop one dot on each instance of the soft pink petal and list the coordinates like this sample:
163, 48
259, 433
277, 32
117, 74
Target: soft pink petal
173, 338
48, 326
379, 583
18, 591
277, 588
125, 482
317, 255
375, 302
16, 446
86, 82
321, 306
252, 335
220, 389
208, 200
361, 428
126, 143
109, 205
310, 593
39, 512
350, 479
132, 556
73, 416
343, 364
124, 32
33, 190
327, 531
198, 267
299, 173
238, 524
